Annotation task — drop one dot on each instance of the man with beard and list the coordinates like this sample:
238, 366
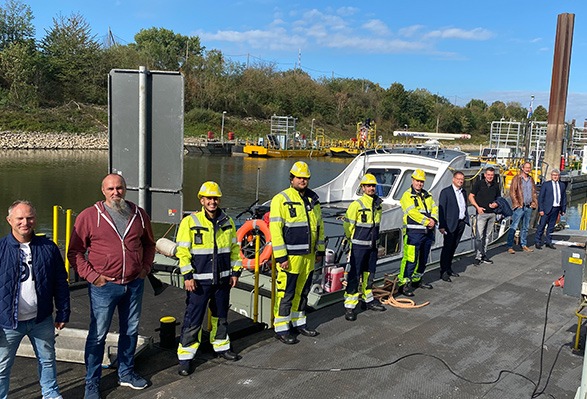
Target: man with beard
112, 247
297, 234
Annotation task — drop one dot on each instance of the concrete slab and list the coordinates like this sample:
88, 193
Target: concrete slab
480, 337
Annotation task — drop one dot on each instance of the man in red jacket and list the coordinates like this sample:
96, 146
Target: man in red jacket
112, 247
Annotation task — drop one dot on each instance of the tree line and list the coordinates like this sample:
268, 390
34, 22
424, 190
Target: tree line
69, 64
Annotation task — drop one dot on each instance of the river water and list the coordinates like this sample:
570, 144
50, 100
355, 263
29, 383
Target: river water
71, 179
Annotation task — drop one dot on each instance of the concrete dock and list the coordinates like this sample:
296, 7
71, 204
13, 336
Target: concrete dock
480, 337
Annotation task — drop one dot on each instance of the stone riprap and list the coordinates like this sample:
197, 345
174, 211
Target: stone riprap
52, 141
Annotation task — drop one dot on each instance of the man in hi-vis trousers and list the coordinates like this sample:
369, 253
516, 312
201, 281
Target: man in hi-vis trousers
297, 235
210, 264
361, 227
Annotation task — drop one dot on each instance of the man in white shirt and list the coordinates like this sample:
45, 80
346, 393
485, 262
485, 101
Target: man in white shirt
452, 218
552, 202
32, 280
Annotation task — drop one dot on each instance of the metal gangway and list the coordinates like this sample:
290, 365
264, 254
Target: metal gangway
506, 142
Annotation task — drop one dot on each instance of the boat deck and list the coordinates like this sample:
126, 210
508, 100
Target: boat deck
480, 337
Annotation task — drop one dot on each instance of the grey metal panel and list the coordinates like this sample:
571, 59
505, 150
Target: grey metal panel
165, 138
168, 207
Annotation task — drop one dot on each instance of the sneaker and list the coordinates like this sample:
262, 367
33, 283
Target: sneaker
477, 262
92, 391
133, 380
488, 261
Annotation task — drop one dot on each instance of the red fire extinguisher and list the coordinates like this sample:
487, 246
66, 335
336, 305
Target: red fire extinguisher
562, 165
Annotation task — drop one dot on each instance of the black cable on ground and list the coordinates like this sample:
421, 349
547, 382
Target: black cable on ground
535, 392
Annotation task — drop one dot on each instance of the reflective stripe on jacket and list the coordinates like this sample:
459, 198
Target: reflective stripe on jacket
418, 209
207, 249
362, 219
296, 224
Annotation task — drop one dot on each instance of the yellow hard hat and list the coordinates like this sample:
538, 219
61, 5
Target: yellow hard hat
419, 175
368, 179
300, 169
210, 189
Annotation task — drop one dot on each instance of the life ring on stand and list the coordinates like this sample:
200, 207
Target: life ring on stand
246, 239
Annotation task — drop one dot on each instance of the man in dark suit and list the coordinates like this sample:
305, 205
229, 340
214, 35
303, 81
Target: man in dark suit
453, 216
552, 202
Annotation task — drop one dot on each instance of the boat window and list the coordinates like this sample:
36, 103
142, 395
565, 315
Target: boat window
406, 182
385, 180
389, 243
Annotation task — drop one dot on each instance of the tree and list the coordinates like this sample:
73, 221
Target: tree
18, 69
540, 114
165, 50
72, 57
15, 24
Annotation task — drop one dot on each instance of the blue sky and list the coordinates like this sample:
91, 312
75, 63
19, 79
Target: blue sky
490, 50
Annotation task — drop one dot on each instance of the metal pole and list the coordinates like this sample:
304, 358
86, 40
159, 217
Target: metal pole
312, 133
55, 224
256, 287
68, 214
143, 136
257, 191
222, 128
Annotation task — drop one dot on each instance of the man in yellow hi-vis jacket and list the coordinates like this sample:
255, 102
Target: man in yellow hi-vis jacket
209, 261
361, 227
297, 235
420, 220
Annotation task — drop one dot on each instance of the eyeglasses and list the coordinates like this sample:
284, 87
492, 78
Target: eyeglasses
369, 185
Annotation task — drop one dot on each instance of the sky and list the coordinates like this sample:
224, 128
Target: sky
490, 50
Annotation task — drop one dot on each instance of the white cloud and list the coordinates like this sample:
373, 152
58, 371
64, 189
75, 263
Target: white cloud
411, 31
457, 33
347, 11
377, 26
276, 39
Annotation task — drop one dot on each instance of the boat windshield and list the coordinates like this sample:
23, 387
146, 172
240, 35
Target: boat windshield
406, 182
385, 180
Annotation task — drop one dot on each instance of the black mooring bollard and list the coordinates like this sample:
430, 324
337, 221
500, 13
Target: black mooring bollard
167, 332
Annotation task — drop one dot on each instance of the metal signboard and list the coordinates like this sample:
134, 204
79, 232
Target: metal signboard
145, 125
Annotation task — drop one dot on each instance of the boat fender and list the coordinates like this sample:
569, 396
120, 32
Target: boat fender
166, 247
245, 232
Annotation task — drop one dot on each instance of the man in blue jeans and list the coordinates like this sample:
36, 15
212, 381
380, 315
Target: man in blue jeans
112, 247
32, 278
524, 200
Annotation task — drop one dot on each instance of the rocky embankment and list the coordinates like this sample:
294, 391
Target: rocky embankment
53, 141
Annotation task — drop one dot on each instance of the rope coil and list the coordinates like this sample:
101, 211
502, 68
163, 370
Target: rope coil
385, 295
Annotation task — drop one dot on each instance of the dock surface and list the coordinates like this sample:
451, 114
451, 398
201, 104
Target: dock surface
480, 337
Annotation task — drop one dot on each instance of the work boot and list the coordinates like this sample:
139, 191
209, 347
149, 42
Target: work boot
406, 290
184, 368
350, 315
229, 355
375, 306
287, 339
307, 332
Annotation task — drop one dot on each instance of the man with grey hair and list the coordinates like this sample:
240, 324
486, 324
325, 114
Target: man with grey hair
552, 202
112, 247
32, 280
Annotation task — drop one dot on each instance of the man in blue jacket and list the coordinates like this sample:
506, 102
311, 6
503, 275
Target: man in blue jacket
32, 279
552, 202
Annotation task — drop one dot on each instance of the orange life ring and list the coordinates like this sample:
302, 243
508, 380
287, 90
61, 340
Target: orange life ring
246, 239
